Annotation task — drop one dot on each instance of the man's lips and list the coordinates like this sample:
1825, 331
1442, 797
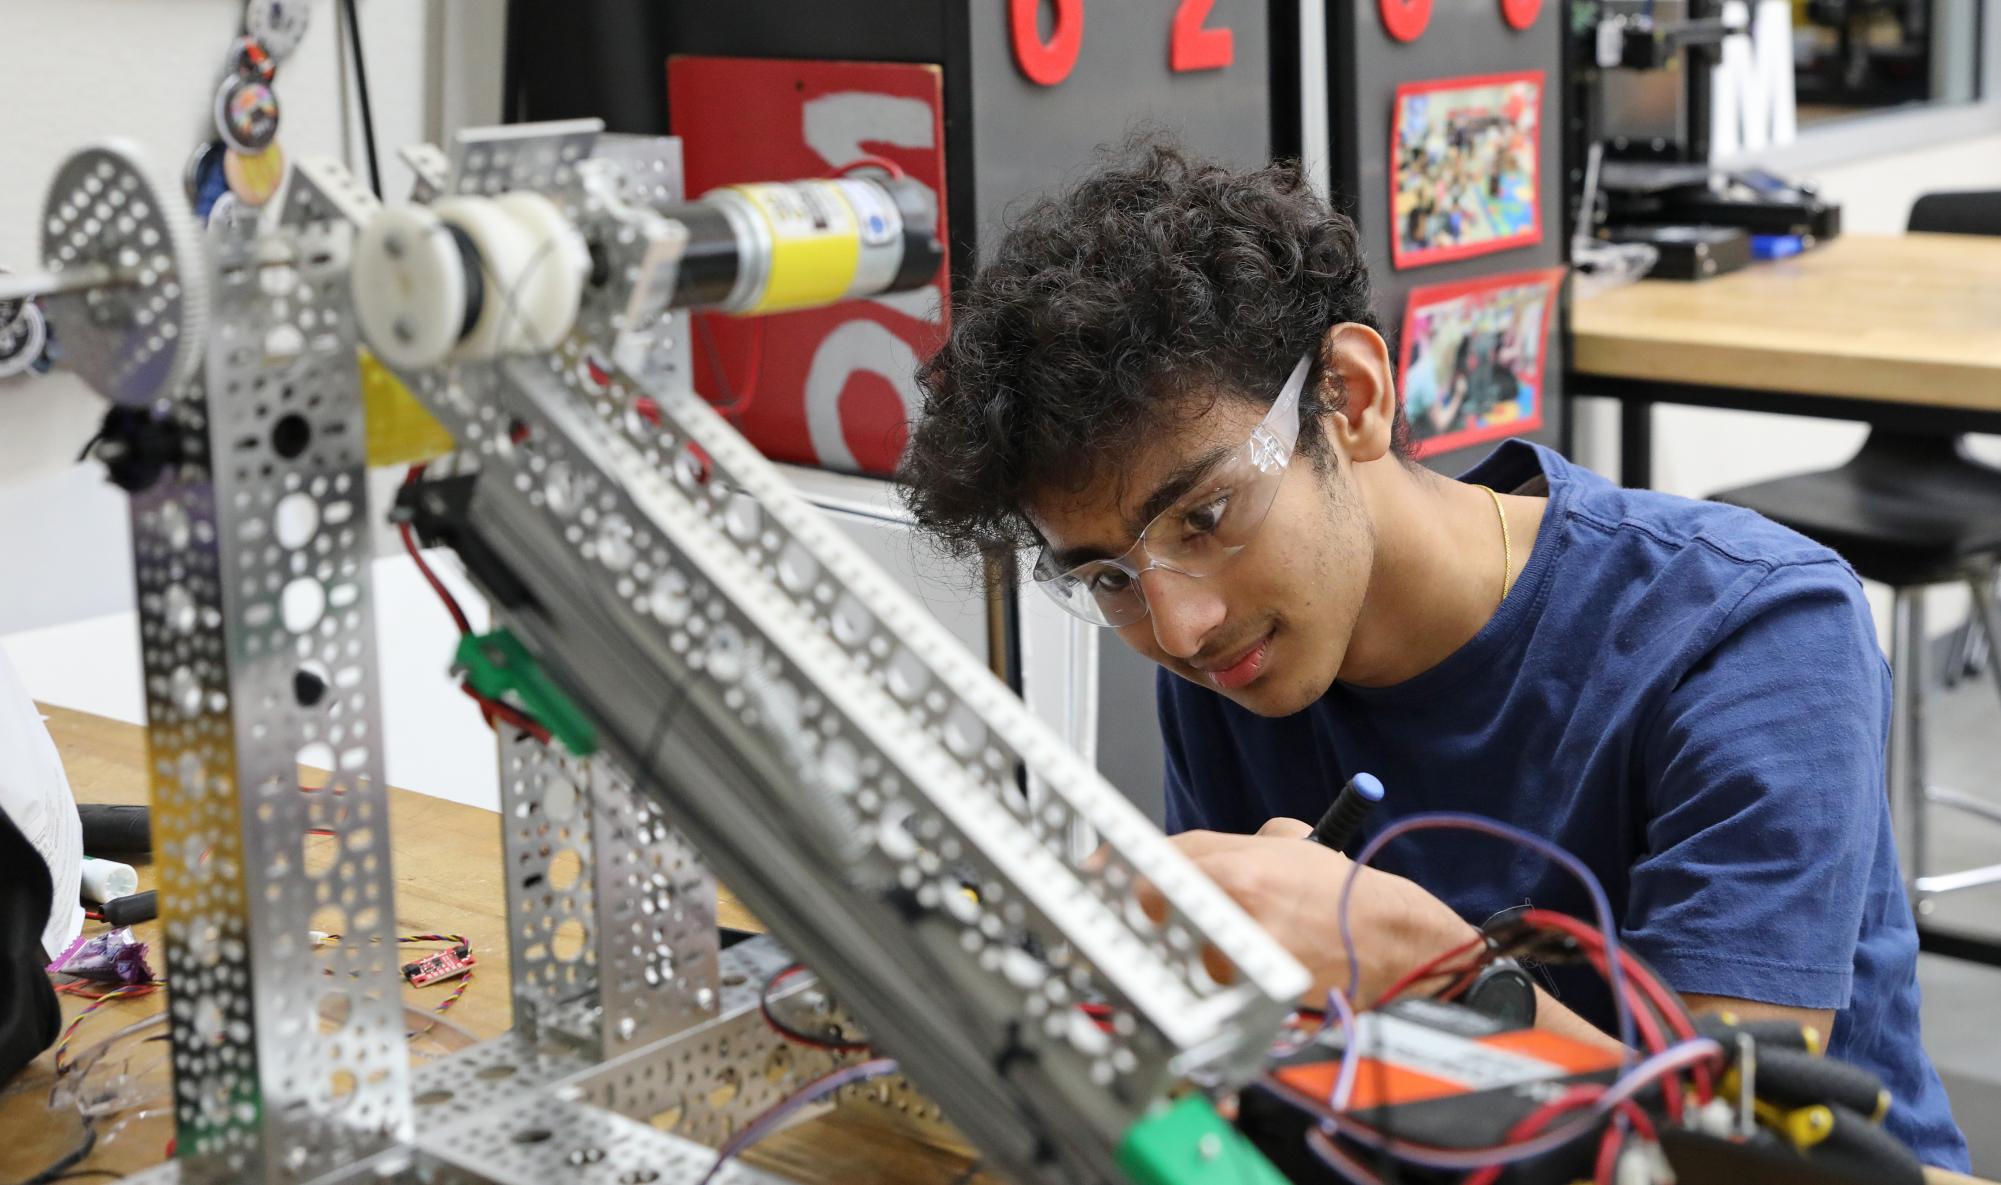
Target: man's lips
1241, 669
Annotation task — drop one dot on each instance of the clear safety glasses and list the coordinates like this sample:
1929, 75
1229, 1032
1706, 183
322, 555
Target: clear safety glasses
1198, 534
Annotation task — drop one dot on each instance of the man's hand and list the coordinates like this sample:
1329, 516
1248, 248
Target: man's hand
1293, 888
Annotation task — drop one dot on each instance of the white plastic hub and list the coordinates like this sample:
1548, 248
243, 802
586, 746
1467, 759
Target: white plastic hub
552, 286
409, 287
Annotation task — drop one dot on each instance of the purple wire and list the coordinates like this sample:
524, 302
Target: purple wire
1344, 1084
819, 1088
1460, 821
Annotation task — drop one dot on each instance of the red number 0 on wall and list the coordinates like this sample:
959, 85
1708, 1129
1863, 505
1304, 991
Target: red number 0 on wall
1190, 45
1047, 62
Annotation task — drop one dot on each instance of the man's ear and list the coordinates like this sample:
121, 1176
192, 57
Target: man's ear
1358, 382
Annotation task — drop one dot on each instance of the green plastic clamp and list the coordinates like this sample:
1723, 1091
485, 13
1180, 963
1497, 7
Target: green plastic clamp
499, 667
1187, 1143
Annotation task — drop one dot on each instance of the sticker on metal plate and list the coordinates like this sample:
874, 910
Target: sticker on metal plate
279, 24
246, 114
255, 179
10, 310
249, 59
22, 342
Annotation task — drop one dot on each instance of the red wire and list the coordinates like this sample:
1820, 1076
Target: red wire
1430, 969
1613, 1142
1533, 1123
734, 404
1669, 1005
490, 708
870, 160
1608, 1154
459, 617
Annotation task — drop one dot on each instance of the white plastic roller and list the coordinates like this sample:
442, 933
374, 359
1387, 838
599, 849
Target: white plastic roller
422, 299
409, 287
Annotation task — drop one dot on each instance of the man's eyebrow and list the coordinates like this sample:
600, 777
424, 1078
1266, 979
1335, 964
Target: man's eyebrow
1170, 490
1184, 478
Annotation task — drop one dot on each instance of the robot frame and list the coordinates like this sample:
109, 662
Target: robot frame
734, 684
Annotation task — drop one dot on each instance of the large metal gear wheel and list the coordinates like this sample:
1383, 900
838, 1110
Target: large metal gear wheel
139, 336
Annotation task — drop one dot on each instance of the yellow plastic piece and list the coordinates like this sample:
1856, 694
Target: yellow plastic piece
399, 430
1803, 1127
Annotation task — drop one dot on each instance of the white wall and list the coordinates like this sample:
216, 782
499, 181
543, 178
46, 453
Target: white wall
153, 65
145, 71
1698, 451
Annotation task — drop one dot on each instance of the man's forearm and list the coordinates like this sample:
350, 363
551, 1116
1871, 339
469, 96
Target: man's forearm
1552, 1016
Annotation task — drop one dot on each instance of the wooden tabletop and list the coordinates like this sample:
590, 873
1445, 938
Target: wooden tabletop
1899, 318
447, 861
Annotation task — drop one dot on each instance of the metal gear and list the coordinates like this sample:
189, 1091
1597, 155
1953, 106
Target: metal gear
138, 335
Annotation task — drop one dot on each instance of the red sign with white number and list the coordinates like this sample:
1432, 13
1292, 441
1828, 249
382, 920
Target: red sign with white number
832, 387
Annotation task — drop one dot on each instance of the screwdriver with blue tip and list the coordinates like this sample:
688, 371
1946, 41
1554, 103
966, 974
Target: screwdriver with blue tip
1343, 820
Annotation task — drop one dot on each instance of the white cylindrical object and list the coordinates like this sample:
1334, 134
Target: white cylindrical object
551, 287
108, 880
505, 249
409, 287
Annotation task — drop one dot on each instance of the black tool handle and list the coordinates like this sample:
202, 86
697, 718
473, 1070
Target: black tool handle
132, 908
1794, 1079
1343, 820
116, 830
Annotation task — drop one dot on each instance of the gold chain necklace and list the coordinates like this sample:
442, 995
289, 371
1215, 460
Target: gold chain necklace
1507, 546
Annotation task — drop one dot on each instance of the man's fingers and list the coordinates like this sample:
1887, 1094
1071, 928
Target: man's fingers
1286, 828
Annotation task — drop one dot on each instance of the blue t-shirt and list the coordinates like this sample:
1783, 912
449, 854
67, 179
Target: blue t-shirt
1688, 697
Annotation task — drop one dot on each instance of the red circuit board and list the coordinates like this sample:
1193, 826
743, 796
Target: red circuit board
441, 965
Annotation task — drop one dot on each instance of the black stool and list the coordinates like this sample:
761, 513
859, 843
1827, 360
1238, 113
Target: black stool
1912, 510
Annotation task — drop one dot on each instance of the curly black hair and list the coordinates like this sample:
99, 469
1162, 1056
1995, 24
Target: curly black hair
1157, 284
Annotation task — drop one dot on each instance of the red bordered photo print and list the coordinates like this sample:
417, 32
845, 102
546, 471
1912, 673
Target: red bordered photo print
1464, 156
1472, 358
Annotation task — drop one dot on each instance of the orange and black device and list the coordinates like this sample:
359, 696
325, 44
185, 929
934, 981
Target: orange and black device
1432, 1073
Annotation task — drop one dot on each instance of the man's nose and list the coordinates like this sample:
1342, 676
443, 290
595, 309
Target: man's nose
1184, 610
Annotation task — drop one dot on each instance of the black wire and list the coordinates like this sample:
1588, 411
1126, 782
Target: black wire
60, 1168
361, 90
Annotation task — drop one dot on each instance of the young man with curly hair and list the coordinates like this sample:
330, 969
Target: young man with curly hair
1168, 386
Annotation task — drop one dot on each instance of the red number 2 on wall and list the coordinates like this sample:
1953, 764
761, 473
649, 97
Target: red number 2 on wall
1190, 45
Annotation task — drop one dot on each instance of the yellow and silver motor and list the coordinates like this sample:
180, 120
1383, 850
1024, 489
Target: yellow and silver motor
804, 244
469, 278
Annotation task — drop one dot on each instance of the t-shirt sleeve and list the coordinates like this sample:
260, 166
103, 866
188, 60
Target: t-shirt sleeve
1764, 798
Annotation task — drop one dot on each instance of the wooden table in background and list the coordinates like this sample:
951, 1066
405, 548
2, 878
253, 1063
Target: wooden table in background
447, 861
1903, 330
